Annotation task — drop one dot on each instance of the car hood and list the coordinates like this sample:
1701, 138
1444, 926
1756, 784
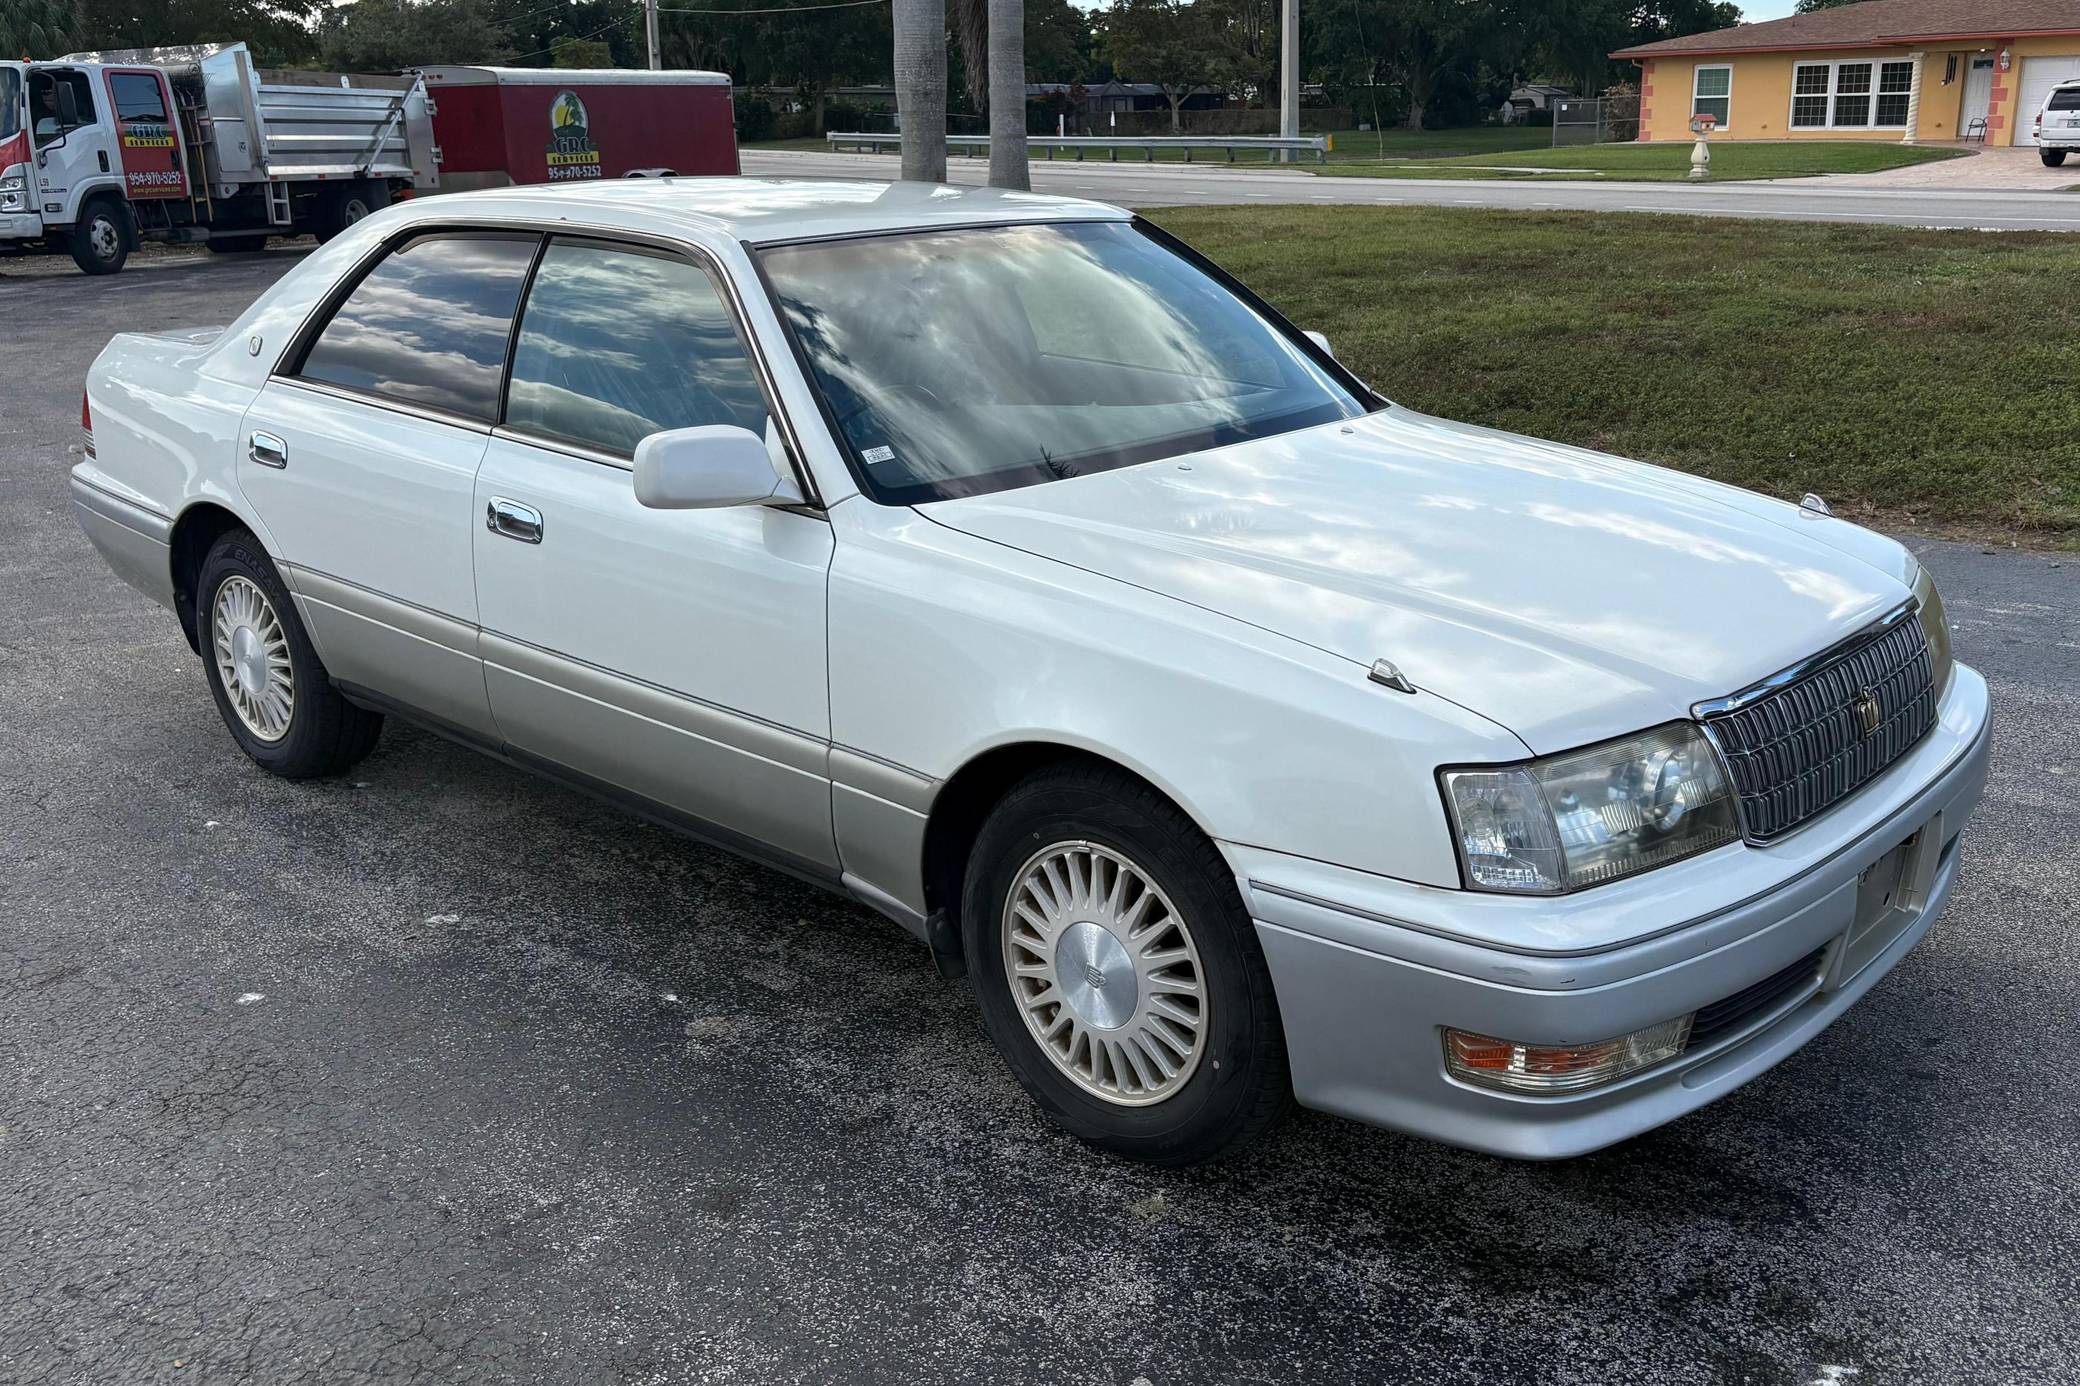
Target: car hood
1567, 595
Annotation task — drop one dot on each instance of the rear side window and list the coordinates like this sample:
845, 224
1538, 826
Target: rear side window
617, 344
2065, 99
428, 325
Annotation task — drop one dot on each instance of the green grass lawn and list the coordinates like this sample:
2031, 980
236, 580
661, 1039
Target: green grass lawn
1671, 161
1893, 371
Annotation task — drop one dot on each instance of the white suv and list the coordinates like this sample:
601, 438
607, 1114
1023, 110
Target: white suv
2058, 124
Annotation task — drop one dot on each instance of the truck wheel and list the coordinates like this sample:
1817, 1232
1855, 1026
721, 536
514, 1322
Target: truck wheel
2052, 157
236, 245
100, 240
1118, 972
341, 207
269, 684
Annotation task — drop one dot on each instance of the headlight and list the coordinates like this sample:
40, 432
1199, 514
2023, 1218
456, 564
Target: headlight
12, 184
1935, 627
1580, 819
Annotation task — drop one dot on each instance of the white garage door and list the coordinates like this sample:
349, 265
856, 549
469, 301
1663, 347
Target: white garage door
2039, 75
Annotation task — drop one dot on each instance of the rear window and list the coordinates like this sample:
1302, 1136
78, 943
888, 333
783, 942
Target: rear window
2066, 99
428, 325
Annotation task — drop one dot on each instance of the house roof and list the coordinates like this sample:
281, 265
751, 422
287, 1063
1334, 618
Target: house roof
1877, 24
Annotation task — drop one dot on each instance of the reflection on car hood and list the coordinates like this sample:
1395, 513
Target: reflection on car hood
1567, 595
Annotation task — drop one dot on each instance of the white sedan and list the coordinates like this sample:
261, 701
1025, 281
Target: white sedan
999, 561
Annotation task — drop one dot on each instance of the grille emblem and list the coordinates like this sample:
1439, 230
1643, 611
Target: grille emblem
1868, 712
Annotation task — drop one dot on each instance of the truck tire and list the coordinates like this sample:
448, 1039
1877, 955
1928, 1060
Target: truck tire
2052, 157
100, 239
341, 207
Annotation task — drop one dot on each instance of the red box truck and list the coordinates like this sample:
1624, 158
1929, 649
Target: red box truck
503, 125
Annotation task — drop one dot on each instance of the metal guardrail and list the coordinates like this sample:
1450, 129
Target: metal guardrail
1318, 145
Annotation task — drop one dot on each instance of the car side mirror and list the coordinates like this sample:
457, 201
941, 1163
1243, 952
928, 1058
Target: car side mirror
709, 468
68, 107
1323, 342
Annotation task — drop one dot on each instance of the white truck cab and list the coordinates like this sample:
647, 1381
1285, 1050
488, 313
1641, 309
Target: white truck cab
2058, 124
99, 151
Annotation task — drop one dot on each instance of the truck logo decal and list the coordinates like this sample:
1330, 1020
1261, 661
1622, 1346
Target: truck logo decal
571, 153
142, 134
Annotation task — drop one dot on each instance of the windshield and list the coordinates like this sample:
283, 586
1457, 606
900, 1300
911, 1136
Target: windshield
960, 362
10, 102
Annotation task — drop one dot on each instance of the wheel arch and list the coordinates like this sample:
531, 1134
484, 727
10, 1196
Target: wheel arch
966, 797
197, 528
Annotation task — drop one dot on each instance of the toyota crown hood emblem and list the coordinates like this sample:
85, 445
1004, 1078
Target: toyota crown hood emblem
1868, 713
1567, 595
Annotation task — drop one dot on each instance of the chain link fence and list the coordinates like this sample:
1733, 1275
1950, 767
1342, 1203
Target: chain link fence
1595, 120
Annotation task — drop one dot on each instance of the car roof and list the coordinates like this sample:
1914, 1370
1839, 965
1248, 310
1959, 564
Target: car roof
765, 210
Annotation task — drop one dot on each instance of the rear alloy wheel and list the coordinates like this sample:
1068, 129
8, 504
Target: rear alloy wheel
101, 240
269, 685
1117, 971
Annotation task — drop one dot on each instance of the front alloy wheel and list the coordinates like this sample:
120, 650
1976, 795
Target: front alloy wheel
1105, 972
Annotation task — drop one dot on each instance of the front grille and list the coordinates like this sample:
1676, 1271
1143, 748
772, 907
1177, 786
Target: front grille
1722, 1018
1797, 750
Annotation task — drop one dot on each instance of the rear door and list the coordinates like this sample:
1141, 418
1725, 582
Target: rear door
674, 654
361, 457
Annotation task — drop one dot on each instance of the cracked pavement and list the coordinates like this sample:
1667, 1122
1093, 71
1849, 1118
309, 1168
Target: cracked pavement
440, 1073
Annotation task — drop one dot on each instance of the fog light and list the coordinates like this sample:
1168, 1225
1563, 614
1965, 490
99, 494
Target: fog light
1544, 1068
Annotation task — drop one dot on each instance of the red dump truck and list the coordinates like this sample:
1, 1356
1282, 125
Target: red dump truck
99, 151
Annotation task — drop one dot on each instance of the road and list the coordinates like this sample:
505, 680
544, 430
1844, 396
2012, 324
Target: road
1169, 185
439, 1073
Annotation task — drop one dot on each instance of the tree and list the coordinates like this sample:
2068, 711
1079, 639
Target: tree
37, 28
388, 35
1166, 43
279, 34
1808, 6
577, 52
920, 63
1059, 42
1007, 96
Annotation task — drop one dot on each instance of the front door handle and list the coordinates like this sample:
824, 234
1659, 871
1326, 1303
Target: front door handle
513, 520
269, 451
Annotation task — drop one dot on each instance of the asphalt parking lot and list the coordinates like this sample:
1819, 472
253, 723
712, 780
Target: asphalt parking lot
441, 1073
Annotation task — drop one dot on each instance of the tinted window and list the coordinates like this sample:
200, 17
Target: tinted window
428, 326
2066, 100
137, 96
617, 344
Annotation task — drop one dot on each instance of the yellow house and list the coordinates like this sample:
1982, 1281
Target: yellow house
1905, 70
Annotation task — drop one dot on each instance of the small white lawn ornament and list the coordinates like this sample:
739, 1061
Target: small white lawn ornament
1702, 124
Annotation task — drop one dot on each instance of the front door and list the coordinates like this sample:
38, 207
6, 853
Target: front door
71, 156
361, 460
677, 655
1978, 98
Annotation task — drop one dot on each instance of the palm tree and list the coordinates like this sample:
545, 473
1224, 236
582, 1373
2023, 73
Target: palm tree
1007, 95
920, 43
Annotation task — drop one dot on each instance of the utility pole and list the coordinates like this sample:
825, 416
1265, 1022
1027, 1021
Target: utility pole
1289, 76
650, 31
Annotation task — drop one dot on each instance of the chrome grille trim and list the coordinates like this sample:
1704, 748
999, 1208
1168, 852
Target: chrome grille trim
1794, 744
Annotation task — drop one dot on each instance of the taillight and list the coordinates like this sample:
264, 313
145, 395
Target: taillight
86, 425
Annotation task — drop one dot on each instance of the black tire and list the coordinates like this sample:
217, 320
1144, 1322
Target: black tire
2053, 158
100, 239
341, 207
236, 245
1241, 1084
326, 734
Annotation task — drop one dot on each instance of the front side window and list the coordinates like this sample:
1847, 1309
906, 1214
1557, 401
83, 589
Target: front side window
616, 344
960, 362
137, 96
1713, 92
428, 325
45, 118
10, 103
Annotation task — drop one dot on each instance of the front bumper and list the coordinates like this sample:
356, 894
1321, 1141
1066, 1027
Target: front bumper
1368, 970
16, 226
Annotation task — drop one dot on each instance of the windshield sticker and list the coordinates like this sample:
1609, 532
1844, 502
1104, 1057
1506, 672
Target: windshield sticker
572, 152
879, 454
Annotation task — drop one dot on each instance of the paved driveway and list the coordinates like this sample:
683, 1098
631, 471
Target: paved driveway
441, 1074
1983, 169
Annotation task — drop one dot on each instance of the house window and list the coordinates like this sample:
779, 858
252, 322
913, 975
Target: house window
1711, 92
1851, 96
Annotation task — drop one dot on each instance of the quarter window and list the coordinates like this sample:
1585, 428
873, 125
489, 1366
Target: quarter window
428, 325
1852, 96
617, 344
1712, 92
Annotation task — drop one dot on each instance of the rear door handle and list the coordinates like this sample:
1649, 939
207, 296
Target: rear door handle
513, 520
269, 451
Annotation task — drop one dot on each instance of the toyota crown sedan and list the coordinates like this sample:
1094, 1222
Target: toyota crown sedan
1000, 562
